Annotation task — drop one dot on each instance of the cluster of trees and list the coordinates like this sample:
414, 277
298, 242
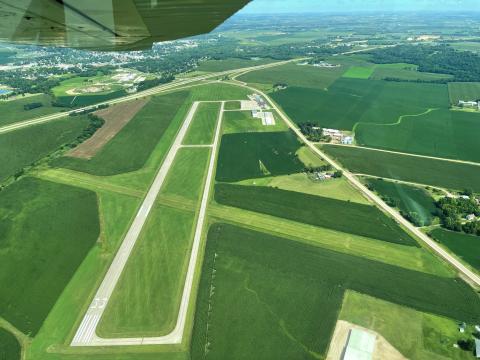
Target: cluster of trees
313, 132
89, 111
147, 84
315, 169
95, 124
452, 213
442, 59
31, 106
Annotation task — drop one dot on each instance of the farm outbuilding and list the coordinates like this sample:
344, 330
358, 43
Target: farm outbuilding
360, 345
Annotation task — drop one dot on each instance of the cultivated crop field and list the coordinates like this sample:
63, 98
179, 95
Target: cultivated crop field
295, 75
131, 147
351, 101
463, 91
293, 292
464, 246
9, 346
28, 209
408, 199
13, 110
405, 72
440, 133
359, 72
255, 155
433, 172
22, 147
348, 217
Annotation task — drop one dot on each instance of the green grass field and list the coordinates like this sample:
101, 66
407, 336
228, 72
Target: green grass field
409, 199
21, 148
464, 246
202, 129
47, 229
359, 72
338, 189
233, 105
423, 336
9, 347
405, 72
131, 147
218, 92
147, 298
186, 176
13, 111
255, 155
295, 75
242, 122
85, 100
348, 217
439, 133
351, 101
433, 172
230, 64
262, 284
463, 91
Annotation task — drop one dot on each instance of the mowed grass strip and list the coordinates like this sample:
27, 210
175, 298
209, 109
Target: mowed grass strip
295, 75
281, 298
46, 230
187, 174
359, 72
147, 298
131, 147
21, 148
441, 173
409, 199
243, 122
351, 101
463, 245
463, 91
13, 110
10, 348
439, 133
255, 155
202, 129
348, 217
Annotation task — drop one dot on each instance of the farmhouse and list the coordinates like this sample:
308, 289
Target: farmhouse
360, 345
336, 135
470, 104
471, 217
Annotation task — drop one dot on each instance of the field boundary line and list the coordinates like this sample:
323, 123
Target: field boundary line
469, 275
466, 162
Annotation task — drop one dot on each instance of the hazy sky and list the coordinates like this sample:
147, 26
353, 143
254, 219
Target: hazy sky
289, 6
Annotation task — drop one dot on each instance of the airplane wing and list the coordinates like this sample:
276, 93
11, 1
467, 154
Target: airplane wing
110, 25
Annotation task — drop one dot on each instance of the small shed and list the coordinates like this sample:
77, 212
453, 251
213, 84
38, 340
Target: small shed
477, 348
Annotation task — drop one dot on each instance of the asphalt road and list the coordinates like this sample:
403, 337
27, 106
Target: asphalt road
153, 91
466, 272
86, 333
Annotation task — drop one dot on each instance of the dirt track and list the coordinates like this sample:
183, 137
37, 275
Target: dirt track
116, 117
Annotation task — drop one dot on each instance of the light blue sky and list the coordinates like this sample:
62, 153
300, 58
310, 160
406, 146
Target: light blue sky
291, 6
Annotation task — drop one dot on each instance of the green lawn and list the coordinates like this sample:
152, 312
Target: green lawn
338, 189
415, 334
22, 147
132, 146
13, 111
147, 298
242, 122
433, 172
186, 176
255, 155
440, 133
463, 91
408, 199
202, 129
295, 75
359, 72
351, 101
464, 246
9, 347
348, 217
47, 229
281, 298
